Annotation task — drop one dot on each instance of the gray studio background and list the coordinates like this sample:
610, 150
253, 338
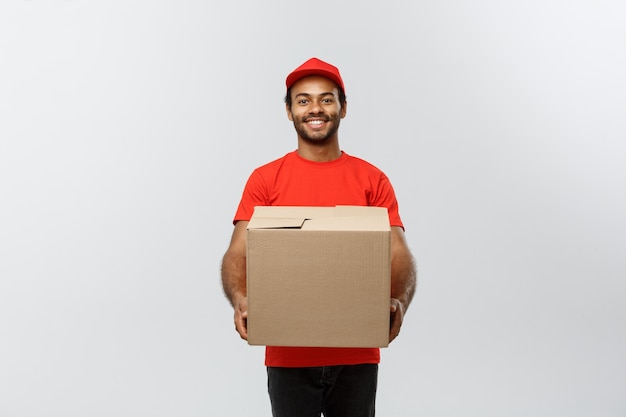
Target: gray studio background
128, 129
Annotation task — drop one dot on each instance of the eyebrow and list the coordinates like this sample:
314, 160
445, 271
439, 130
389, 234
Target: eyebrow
319, 95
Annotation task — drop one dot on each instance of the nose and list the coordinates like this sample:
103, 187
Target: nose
315, 107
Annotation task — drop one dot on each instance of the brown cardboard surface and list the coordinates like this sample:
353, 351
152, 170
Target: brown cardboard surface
326, 283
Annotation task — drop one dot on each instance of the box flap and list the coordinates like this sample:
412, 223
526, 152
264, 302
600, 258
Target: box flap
363, 223
275, 223
339, 218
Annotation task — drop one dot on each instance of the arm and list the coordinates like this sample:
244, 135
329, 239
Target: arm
234, 277
403, 280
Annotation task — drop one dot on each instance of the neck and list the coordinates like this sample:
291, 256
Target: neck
319, 152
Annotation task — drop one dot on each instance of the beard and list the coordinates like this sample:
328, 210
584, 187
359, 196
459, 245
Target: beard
317, 137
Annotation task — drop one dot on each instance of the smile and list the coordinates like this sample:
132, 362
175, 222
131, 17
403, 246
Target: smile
315, 123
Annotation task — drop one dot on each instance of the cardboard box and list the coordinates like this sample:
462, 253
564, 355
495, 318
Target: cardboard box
319, 276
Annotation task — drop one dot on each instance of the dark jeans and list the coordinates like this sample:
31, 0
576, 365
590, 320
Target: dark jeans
336, 391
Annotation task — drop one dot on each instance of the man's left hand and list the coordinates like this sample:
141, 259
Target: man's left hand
395, 318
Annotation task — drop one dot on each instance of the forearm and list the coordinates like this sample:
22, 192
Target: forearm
403, 270
234, 284
234, 266
234, 277
403, 278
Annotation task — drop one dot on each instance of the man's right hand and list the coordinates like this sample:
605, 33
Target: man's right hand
241, 317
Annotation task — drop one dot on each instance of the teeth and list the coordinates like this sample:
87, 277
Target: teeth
316, 122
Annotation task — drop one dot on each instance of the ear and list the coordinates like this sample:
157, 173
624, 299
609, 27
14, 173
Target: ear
344, 109
289, 113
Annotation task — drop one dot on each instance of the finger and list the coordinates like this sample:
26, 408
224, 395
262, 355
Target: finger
395, 331
243, 332
241, 324
395, 322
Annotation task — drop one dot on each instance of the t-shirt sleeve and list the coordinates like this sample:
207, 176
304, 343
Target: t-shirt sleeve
385, 196
254, 194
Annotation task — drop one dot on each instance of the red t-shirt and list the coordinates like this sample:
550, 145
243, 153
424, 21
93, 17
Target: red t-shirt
295, 181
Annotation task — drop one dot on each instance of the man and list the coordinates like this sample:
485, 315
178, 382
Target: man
302, 382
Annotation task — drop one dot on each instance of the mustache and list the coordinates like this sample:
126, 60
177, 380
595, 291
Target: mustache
316, 117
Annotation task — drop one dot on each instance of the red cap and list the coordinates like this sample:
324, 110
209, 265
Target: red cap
315, 66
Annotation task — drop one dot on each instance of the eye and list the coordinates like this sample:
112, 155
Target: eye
303, 101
